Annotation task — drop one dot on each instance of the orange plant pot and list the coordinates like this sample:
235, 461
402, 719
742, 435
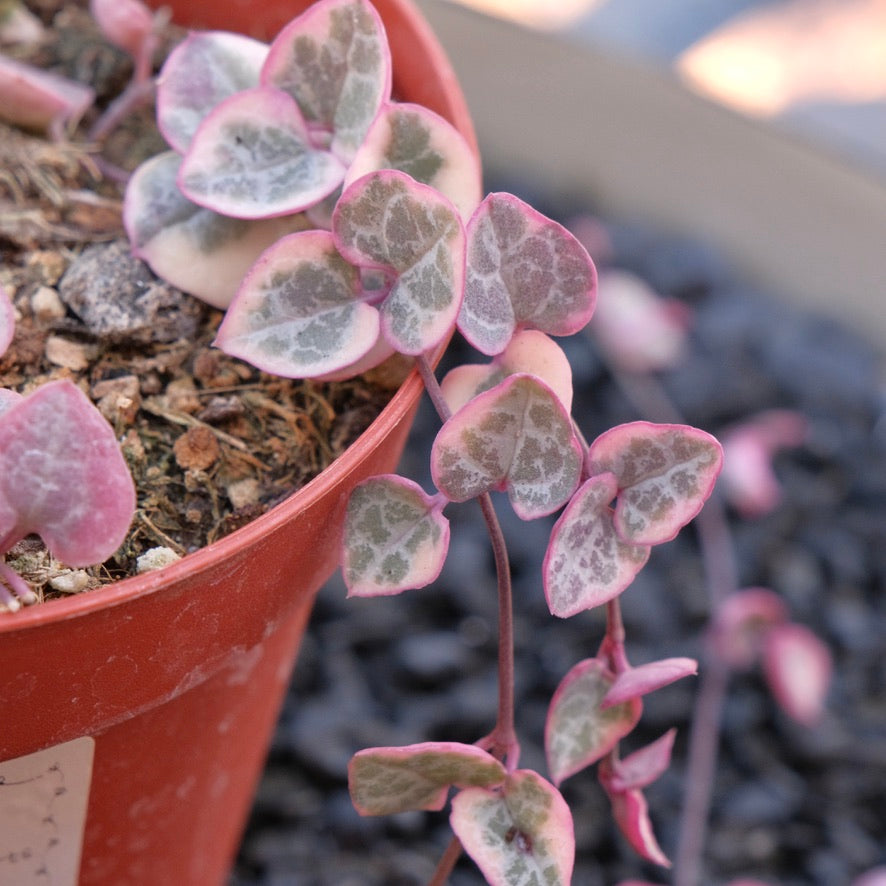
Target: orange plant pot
135, 719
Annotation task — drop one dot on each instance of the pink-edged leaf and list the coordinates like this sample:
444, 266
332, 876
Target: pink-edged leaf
298, 312
387, 220
202, 71
251, 157
638, 330
742, 621
519, 835
640, 681
530, 352
665, 473
7, 320
38, 99
586, 563
631, 813
798, 667
523, 270
578, 732
195, 249
395, 537
335, 62
426, 147
642, 767
515, 437
62, 476
749, 481
385, 781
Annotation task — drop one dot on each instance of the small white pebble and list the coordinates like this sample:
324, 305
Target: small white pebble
68, 354
155, 558
47, 305
243, 493
70, 582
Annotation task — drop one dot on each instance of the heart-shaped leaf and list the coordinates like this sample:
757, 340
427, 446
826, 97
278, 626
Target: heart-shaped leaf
426, 147
62, 476
664, 473
389, 221
586, 563
335, 62
385, 781
252, 158
516, 437
519, 835
395, 537
530, 352
203, 70
298, 312
195, 249
578, 731
640, 681
523, 270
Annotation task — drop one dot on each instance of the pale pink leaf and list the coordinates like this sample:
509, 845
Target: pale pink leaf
529, 351
202, 71
518, 835
523, 271
664, 472
386, 220
128, 24
8, 398
874, 877
631, 813
334, 61
197, 250
742, 621
425, 146
7, 320
578, 732
642, 767
62, 476
798, 666
298, 312
385, 781
252, 157
395, 537
515, 437
639, 681
586, 563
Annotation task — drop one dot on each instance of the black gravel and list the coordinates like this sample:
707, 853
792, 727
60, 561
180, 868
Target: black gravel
792, 806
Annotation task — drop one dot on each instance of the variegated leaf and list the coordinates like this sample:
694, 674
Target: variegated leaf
640, 681
385, 781
516, 437
642, 767
523, 271
664, 472
519, 835
395, 537
586, 563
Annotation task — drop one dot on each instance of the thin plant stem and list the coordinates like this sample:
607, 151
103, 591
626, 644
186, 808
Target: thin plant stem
447, 863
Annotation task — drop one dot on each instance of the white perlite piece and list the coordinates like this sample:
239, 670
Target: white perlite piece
155, 558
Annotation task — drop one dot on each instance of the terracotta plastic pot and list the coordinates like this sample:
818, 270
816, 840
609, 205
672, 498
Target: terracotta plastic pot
134, 720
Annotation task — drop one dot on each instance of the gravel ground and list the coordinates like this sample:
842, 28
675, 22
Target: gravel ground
792, 806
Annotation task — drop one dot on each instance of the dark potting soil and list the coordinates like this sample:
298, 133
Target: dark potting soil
791, 806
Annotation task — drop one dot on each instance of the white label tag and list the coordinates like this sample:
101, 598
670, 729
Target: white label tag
43, 800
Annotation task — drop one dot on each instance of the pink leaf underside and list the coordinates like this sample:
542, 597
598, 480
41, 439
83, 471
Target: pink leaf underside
414, 140
252, 157
523, 270
202, 71
519, 835
578, 732
37, 99
63, 476
741, 622
586, 563
395, 537
637, 329
515, 437
389, 221
642, 767
631, 814
385, 781
642, 680
8, 398
665, 473
298, 312
195, 249
798, 667
7, 320
126, 23
335, 62
530, 352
